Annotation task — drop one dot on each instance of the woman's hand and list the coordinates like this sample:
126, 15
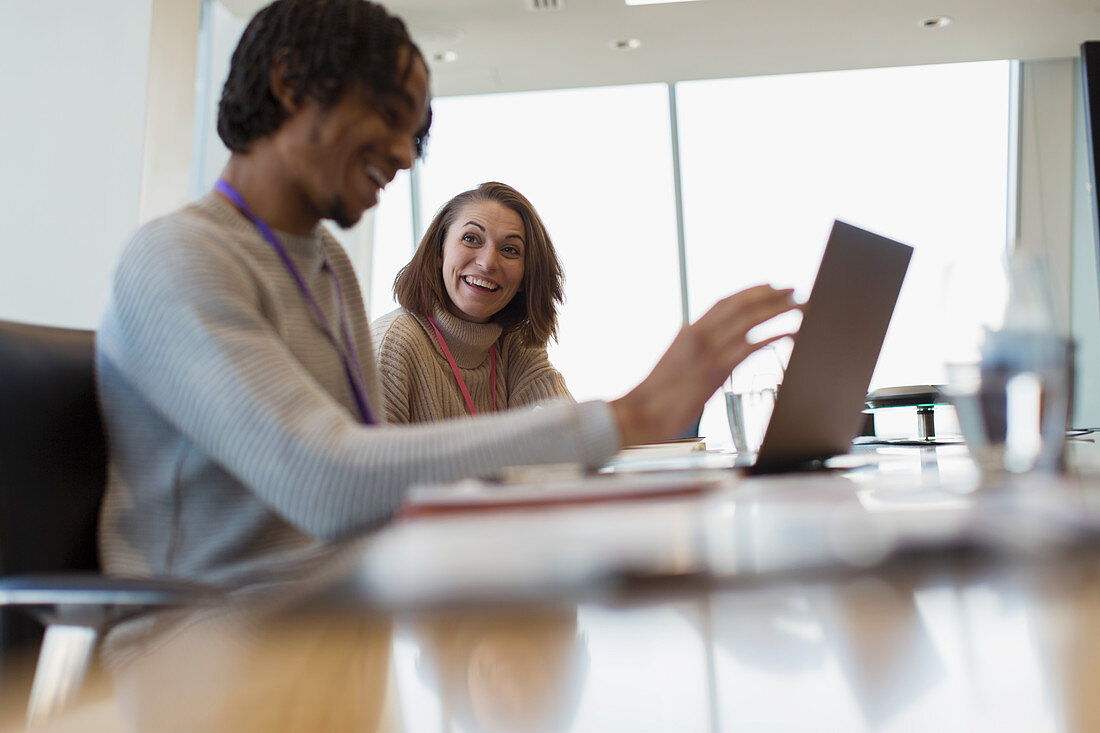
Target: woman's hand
699, 360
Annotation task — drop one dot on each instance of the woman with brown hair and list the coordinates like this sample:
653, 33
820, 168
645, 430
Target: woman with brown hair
479, 306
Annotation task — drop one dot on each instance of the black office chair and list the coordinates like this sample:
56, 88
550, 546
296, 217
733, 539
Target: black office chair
52, 479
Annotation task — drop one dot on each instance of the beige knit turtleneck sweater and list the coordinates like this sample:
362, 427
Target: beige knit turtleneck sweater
418, 384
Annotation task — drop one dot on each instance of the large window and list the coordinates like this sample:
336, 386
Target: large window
768, 163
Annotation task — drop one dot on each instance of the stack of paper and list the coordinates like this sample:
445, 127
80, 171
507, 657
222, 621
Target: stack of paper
473, 494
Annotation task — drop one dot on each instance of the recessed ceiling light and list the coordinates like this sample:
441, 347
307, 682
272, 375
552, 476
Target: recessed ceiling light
657, 2
628, 44
938, 21
437, 37
445, 57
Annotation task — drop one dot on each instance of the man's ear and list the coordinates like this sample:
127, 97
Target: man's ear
281, 89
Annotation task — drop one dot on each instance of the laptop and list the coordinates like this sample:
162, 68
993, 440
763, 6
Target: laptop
818, 410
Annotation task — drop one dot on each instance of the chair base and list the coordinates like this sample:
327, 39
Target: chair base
62, 664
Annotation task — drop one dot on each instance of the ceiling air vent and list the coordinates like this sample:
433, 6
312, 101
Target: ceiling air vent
540, 5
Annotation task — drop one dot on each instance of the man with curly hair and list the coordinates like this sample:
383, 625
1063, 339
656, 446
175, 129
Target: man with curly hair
236, 374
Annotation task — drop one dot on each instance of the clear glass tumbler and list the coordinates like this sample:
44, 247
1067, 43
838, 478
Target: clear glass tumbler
750, 394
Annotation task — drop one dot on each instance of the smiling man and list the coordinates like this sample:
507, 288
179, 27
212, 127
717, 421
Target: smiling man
333, 123
237, 378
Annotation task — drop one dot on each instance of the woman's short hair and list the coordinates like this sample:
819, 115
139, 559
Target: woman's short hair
330, 48
533, 310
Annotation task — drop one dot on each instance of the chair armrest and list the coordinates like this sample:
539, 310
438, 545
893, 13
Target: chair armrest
93, 600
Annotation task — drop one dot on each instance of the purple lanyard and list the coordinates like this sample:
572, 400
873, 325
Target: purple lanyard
349, 358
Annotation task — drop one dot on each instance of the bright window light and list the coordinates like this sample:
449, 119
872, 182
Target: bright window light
768, 162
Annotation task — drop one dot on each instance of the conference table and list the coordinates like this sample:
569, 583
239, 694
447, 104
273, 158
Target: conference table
899, 590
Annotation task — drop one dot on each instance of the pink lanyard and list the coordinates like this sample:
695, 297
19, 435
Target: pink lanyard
458, 377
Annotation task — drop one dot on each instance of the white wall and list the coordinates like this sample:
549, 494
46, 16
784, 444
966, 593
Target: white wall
169, 106
71, 130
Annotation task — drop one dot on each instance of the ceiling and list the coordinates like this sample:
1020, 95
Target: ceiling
502, 45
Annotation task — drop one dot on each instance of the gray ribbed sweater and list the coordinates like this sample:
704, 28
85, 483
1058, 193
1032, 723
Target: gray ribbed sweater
419, 386
235, 454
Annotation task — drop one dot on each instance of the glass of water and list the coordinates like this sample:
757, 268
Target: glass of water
1012, 388
1013, 405
750, 394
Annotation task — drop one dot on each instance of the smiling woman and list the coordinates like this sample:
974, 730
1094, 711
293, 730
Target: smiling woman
479, 305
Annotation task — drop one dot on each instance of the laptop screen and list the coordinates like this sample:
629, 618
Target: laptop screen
818, 409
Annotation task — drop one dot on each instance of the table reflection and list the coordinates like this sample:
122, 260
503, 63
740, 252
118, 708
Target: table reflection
502, 670
245, 669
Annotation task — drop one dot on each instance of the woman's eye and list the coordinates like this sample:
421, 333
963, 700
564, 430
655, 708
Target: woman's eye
469, 238
512, 251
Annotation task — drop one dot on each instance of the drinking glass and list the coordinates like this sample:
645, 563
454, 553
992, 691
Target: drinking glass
1012, 388
750, 394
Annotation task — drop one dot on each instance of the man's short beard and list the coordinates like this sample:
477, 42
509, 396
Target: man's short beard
339, 214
